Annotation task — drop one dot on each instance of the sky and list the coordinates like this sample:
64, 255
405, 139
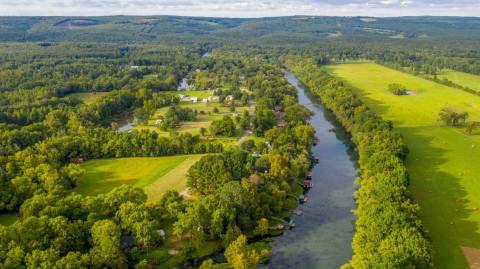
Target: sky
240, 8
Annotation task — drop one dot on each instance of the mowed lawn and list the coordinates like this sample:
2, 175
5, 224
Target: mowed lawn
461, 78
443, 164
154, 175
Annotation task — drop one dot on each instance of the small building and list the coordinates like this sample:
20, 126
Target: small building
281, 124
278, 109
229, 98
158, 122
307, 184
256, 155
205, 100
235, 114
182, 96
127, 241
309, 176
194, 99
78, 160
161, 233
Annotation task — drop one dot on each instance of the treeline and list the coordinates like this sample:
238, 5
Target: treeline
388, 232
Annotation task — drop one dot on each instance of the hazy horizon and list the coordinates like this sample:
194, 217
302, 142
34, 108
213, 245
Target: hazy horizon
241, 8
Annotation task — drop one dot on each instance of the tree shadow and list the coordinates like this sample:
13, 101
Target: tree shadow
444, 203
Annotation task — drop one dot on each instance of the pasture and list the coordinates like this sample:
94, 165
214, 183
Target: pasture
154, 175
463, 79
443, 161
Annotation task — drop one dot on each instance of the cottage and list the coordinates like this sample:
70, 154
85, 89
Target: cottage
127, 242
307, 184
256, 155
78, 160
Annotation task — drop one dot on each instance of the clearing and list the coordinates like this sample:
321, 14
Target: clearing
463, 79
88, 97
154, 175
443, 161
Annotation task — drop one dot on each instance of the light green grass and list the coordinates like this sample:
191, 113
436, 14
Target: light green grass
443, 162
463, 79
7, 219
88, 97
154, 175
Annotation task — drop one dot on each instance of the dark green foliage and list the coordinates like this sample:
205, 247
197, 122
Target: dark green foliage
223, 127
397, 89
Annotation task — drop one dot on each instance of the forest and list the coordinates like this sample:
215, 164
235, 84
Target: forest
206, 106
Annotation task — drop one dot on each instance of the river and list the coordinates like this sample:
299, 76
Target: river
322, 236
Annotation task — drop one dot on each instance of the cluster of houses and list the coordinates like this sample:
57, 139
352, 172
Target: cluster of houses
194, 99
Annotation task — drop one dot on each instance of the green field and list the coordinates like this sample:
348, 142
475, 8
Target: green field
88, 97
443, 162
463, 79
154, 175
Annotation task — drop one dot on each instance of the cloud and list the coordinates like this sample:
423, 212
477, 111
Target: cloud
241, 8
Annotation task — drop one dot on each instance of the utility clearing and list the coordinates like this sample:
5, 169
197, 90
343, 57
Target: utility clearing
443, 162
154, 175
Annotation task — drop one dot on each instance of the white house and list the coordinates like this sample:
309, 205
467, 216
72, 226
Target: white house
158, 122
229, 98
205, 100
194, 99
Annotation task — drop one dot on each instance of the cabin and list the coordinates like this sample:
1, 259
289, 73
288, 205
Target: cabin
256, 155
78, 160
127, 242
161, 233
278, 109
307, 184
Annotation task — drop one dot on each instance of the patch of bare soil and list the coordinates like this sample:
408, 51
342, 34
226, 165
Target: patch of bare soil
473, 257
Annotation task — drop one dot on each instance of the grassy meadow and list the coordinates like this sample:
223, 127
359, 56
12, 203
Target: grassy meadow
463, 79
154, 175
443, 161
88, 97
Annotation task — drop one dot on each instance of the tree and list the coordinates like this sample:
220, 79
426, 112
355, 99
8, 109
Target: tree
470, 127
106, 250
223, 127
240, 256
208, 264
262, 227
263, 120
397, 89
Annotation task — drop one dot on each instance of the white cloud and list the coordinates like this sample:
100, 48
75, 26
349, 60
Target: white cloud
241, 8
